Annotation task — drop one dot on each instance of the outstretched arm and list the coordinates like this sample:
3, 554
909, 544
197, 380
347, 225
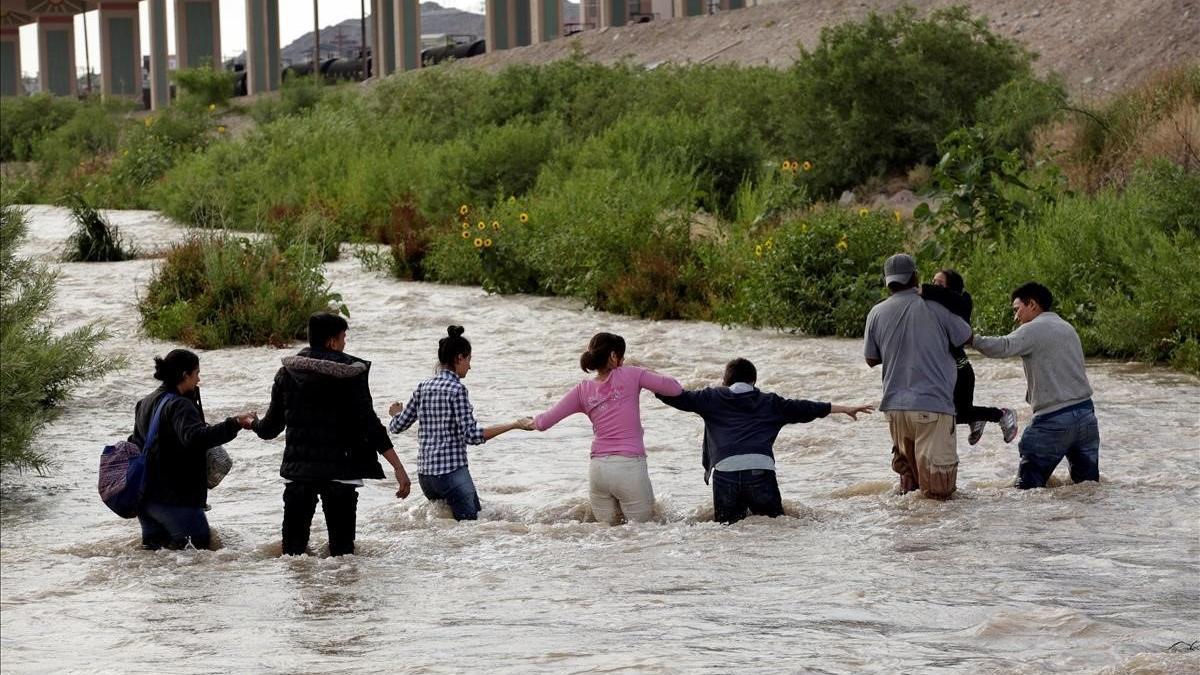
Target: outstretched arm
1017, 343
569, 405
687, 401
851, 410
659, 384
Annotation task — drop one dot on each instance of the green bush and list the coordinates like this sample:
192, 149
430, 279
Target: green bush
820, 275
95, 239
297, 96
1124, 268
881, 93
38, 366
217, 291
204, 85
24, 120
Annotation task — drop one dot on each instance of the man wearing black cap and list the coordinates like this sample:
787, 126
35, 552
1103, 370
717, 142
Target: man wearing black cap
911, 338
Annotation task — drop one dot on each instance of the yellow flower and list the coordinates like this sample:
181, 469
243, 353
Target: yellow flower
524, 217
466, 225
842, 244
482, 225
466, 234
495, 225
478, 242
808, 166
758, 250
487, 242
862, 213
212, 107
770, 243
149, 120
897, 215
795, 166
804, 227
221, 129
786, 166
464, 210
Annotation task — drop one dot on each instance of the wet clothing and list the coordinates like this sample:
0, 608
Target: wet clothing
177, 464
912, 337
620, 484
323, 400
612, 406
1052, 357
334, 438
1070, 432
925, 451
742, 422
339, 502
961, 305
173, 527
447, 423
737, 494
456, 488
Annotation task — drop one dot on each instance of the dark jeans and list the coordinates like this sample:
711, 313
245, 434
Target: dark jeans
1072, 433
965, 410
456, 488
737, 494
166, 526
340, 504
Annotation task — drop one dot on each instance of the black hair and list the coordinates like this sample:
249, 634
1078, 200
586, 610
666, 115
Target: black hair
954, 280
740, 370
172, 368
323, 327
599, 348
1034, 291
897, 286
453, 346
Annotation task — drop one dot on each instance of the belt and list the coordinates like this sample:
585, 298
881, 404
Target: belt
1082, 405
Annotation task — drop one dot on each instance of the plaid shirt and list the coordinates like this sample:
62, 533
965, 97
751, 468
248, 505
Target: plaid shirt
447, 423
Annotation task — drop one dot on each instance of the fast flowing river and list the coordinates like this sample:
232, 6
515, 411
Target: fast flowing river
856, 578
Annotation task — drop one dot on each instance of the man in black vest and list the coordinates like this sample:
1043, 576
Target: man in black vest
322, 397
740, 427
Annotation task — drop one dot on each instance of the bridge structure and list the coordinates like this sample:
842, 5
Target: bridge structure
395, 38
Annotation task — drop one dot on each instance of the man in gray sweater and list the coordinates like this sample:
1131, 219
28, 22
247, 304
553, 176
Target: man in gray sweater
1064, 420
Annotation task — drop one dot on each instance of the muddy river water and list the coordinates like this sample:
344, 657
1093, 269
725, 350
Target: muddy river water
856, 578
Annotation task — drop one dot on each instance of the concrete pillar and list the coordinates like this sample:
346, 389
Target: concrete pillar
691, 7
614, 12
732, 4
56, 55
547, 20
383, 50
262, 46
507, 24
160, 88
198, 33
10, 62
589, 14
407, 31
120, 50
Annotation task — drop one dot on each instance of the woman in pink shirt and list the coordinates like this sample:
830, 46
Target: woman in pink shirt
617, 473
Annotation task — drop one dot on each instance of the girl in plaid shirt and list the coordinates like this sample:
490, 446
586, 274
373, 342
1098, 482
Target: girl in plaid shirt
447, 426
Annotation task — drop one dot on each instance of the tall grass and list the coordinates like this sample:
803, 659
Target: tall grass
95, 239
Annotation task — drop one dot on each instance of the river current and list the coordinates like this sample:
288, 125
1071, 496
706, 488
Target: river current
855, 578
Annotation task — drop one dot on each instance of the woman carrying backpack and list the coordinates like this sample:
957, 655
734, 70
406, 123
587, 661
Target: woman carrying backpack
172, 512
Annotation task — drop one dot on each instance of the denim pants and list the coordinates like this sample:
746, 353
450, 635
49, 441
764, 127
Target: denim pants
456, 488
339, 501
1072, 433
167, 526
737, 494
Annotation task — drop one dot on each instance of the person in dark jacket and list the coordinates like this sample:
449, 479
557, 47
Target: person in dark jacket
172, 512
322, 397
949, 291
740, 427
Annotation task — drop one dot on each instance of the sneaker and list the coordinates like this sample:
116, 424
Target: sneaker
1008, 423
976, 432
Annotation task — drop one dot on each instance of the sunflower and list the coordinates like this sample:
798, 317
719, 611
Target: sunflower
524, 217
464, 210
478, 242
487, 242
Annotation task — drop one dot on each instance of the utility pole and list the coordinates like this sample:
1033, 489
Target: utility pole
362, 11
316, 41
87, 53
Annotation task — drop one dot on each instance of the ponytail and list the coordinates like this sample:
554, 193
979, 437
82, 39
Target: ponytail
601, 346
453, 346
172, 368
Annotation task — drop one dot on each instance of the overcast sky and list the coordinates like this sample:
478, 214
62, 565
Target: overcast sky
295, 19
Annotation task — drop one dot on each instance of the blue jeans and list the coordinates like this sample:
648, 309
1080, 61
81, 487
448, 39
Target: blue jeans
164, 525
456, 488
1072, 433
737, 492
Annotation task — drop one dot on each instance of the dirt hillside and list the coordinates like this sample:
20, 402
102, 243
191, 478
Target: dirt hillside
1098, 46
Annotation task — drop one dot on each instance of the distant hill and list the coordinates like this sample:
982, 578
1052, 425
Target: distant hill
345, 39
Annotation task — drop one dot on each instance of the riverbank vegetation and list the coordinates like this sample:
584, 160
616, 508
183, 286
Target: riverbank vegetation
39, 366
737, 194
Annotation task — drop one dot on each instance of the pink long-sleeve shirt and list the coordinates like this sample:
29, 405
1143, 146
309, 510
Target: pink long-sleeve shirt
612, 406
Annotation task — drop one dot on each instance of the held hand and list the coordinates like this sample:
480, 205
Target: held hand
395, 409
525, 424
405, 485
246, 420
853, 411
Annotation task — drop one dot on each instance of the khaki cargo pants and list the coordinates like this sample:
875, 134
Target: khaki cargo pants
925, 451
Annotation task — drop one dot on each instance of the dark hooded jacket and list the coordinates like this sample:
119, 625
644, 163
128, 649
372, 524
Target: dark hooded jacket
323, 399
742, 424
177, 464
959, 303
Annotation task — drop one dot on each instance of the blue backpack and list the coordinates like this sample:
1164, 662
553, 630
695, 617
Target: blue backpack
123, 469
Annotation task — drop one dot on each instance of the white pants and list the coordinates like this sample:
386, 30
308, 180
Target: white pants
620, 482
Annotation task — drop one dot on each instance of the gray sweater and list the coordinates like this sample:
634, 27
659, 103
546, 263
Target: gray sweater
1052, 356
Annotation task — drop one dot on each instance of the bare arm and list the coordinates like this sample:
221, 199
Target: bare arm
569, 405
852, 410
404, 485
